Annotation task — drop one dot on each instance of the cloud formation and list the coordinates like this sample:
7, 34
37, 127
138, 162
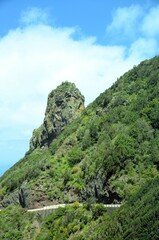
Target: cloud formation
37, 57
34, 15
150, 25
133, 23
125, 23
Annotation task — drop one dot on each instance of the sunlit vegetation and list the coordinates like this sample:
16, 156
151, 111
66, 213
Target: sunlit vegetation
109, 153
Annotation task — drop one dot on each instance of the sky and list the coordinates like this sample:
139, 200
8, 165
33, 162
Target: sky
43, 43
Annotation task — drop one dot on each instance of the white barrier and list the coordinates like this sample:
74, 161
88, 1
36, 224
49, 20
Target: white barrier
63, 205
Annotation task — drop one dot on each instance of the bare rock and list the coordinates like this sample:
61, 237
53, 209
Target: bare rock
64, 104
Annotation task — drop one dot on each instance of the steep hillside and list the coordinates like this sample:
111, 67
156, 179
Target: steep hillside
136, 219
104, 155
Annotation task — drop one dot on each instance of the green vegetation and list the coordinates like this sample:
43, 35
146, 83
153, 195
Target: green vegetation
136, 219
17, 224
110, 153
113, 145
64, 223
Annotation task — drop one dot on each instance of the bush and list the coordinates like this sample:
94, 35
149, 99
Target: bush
74, 156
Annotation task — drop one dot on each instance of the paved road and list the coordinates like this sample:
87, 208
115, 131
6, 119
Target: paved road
63, 205
47, 207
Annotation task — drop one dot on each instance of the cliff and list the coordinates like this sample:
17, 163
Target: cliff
64, 104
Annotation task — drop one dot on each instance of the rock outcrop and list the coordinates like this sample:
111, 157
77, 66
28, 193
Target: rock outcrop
12, 198
64, 104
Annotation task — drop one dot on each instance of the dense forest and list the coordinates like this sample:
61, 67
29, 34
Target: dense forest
108, 154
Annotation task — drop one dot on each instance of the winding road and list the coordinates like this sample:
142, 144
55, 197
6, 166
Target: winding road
64, 205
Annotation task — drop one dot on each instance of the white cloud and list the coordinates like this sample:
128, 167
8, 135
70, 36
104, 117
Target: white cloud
34, 16
137, 28
35, 59
125, 22
150, 26
143, 48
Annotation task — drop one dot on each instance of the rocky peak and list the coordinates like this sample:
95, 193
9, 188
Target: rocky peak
64, 104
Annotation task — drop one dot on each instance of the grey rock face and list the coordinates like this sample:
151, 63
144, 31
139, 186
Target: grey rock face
64, 104
25, 199
18, 197
12, 198
98, 189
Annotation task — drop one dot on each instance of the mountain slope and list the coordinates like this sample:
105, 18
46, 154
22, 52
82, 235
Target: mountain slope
136, 219
105, 155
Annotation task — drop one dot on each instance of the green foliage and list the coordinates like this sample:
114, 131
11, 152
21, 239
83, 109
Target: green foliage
105, 155
74, 156
17, 224
111, 139
98, 210
65, 223
30, 167
123, 147
136, 219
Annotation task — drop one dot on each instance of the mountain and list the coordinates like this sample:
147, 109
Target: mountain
107, 152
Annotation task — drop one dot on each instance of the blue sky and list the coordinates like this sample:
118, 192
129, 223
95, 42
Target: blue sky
43, 43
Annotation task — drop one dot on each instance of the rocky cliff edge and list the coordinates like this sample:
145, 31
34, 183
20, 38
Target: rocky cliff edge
64, 104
